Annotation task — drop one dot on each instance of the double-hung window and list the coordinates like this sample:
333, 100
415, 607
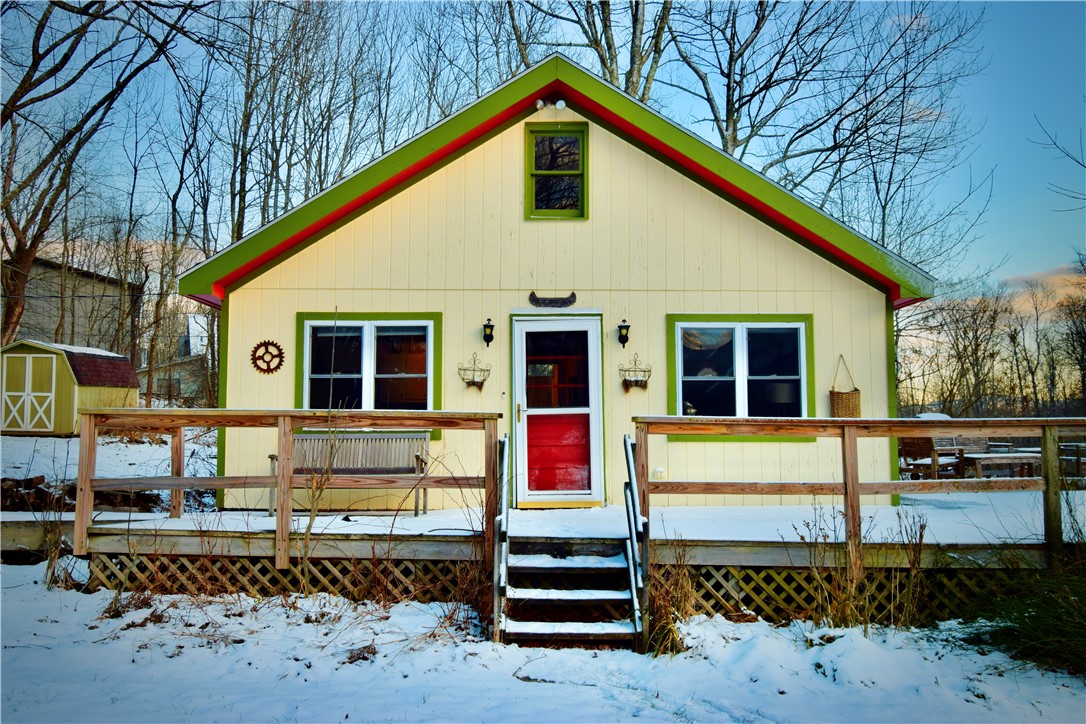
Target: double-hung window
556, 160
368, 365
732, 369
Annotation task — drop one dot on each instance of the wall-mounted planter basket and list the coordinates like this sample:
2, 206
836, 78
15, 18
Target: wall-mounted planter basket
473, 375
635, 375
844, 403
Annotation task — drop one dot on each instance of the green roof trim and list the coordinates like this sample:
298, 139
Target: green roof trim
556, 77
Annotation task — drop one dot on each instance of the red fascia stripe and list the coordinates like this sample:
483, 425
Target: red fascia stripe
731, 189
219, 288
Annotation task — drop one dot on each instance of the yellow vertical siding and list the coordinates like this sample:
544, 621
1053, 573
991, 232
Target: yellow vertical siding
654, 243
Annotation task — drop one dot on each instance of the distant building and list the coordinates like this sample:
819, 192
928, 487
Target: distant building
78, 307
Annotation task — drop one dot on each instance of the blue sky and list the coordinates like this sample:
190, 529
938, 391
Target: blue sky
1037, 66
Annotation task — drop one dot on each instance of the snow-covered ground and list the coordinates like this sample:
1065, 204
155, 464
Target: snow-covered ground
323, 659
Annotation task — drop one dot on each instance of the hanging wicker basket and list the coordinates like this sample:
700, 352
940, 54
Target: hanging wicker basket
844, 403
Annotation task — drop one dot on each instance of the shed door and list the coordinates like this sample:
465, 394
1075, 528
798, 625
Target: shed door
29, 399
558, 410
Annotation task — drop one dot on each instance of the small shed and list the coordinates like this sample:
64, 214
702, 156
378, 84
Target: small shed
45, 384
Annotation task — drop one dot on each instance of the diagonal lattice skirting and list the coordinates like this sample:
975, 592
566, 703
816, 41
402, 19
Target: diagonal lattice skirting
380, 580
886, 595
775, 594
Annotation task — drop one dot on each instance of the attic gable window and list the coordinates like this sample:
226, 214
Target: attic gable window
556, 183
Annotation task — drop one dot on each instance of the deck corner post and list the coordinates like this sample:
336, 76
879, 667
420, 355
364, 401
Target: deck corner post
177, 470
283, 493
851, 478
1050, 470
641, 466
84, 494
490, 490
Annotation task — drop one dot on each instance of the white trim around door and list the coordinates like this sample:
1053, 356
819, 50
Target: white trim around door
558, 411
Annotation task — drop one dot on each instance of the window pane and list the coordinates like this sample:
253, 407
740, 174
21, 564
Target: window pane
774, 398
399, 393
335, 350
558, 192
335, 393
709, 398
557, 153
401, 350
708, 352
557, 369
773, 352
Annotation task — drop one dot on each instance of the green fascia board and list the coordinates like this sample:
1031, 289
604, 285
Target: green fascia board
513, 101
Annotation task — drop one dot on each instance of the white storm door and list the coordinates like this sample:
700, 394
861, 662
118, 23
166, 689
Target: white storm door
558, 410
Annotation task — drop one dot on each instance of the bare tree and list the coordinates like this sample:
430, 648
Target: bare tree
1076, 157
628, 42
66, 67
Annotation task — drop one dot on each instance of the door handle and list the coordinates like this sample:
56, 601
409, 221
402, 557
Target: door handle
518, 413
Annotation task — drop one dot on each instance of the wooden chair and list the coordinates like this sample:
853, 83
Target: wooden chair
927, 458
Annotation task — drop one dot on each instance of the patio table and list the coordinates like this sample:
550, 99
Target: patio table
1025, 461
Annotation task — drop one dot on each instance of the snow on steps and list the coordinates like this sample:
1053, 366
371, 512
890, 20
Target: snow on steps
544, 562
570, 629
559, 594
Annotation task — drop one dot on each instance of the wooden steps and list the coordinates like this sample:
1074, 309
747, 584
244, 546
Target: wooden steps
567, 591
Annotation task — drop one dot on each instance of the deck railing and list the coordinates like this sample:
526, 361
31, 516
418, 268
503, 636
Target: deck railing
173, 422
848, 485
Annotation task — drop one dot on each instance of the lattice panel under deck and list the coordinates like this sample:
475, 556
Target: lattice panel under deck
421, 580
778, 594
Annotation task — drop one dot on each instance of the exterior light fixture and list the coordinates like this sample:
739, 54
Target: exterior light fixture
624, 333
540, 104
560, 104
488, 331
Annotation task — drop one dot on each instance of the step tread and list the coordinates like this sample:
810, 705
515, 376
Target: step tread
569, 628
544, 561
558, 594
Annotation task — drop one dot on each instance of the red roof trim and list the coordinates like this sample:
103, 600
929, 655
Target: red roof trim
729, 188
219, 288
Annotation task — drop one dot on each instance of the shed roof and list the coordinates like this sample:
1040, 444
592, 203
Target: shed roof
91, 367
558, 77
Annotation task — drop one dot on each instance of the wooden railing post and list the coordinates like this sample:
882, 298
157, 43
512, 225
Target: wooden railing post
84, 495
1050, 470
283, 493
851, 476
490, 490
177, 470
641, 467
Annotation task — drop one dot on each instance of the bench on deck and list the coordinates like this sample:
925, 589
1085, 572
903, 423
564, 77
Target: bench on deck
362, 453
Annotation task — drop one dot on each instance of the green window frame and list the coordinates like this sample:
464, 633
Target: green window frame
370, 326
741, 374
560, 179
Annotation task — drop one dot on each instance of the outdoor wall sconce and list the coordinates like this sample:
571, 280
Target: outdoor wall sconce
488, 331
624, 333
473, 375
635, 375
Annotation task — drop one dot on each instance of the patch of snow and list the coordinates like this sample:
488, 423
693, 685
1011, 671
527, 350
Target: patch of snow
322, 658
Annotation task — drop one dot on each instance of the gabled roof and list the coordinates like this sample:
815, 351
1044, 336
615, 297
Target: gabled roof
557, 77
91, 367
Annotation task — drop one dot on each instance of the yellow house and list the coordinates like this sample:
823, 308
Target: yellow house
559, 234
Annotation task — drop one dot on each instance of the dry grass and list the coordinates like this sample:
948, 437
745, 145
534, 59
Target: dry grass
671, 600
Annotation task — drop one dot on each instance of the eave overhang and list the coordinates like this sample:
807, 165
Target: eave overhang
557, 77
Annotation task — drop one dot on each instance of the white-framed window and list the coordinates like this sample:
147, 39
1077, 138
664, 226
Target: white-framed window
368, 365
737, 369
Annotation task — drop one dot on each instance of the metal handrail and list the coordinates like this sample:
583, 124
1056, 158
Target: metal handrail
636, 527
501, 529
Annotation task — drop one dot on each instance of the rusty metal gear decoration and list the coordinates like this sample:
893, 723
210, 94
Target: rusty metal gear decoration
267, 357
